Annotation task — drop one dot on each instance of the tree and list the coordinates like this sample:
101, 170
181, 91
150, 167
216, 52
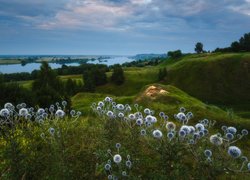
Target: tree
235, 46
89, 81
199, 47
175, 54
162, 74
47, 87
117, 76
245, 42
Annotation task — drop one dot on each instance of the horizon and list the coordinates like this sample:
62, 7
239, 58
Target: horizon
82, 27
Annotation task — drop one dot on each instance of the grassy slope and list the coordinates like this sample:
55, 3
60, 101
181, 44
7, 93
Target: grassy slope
213, 78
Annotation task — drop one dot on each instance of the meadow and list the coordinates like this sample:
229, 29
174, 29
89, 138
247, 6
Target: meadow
142, 129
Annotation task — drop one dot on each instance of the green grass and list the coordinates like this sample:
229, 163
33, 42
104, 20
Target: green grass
9, 61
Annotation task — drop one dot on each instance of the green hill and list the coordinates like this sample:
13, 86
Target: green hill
222, 79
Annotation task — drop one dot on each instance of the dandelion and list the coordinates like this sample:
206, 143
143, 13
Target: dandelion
4, 112
157, 133
216, 140
234, 151
170, 126
208, 153
23, 112
117, 158
60, 113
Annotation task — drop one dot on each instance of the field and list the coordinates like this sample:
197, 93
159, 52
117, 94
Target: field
77, 146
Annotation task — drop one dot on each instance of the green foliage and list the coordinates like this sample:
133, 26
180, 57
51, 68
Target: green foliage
89, 81
175, 54
117, 76
162, 74
198, 47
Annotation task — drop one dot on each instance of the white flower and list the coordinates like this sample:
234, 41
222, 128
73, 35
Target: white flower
170, 126
232, 130
120, 107
157, 133
4, 112
216, 140
8, 106
23, 112
60, 113
234, 151
100, 103
117, 158
200, 127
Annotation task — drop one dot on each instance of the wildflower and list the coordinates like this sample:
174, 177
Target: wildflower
232, 130
205, 121
120, 115
107, 167
60, 113
117, 158
52, 131
182, 133
185, 128
78, 113
64, 103
181, 116
170, 126
143, 132
190, 115
110, 177
124, 173
40, 111
192, 129
107, 99
118, 145
244, 132
196, 136
100, 103
110, 114
23, 105
150, 119
120, 107
206, 132
128, 163
216, 140
131, 117
23, 112
4, 112
8, 106
72, 112
248, 166
161, 114
224, 128
28, 116
200, 127
182, 109
234, 151
147, 111
191, 141
157, 133
170, 135
208, 153
229, 136
139, 122
201, 133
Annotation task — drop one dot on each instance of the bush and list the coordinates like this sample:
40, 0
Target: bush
117, 76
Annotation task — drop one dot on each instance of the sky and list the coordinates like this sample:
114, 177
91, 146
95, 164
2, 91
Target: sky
119, 27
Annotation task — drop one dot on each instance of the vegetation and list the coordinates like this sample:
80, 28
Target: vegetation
175, 54
199, 47
117, 76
